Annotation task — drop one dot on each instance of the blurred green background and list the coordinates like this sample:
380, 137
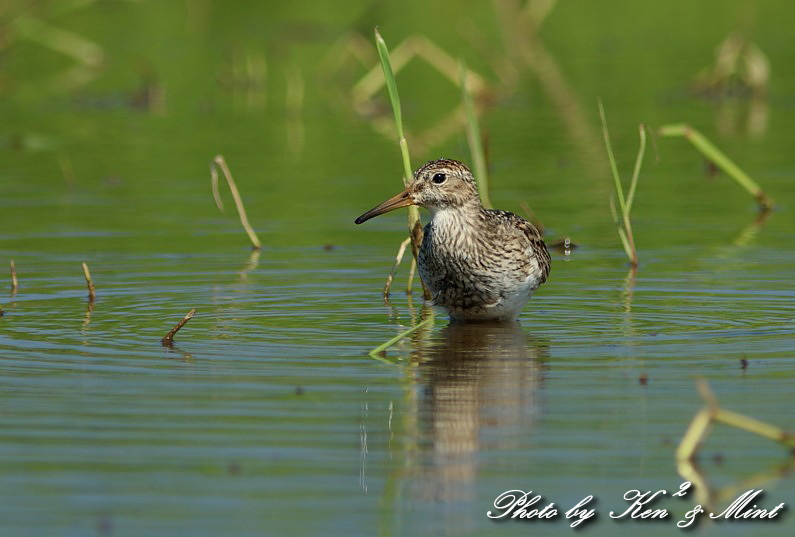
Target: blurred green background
124, 104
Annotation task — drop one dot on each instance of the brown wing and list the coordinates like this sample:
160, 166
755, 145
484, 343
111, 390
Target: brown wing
537, 244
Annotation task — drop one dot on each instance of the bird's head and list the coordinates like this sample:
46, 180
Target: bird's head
439, 184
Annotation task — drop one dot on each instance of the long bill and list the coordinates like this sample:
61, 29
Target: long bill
403, 199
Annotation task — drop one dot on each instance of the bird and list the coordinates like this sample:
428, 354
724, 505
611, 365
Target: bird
478, 264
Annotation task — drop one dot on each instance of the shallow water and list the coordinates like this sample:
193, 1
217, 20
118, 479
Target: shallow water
268, 417
268, 407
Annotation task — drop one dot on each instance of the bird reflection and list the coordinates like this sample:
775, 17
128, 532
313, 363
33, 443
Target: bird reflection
479, 392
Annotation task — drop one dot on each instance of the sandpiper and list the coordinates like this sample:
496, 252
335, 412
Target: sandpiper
479, 264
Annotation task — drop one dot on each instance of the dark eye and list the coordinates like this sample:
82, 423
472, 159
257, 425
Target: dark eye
439, 178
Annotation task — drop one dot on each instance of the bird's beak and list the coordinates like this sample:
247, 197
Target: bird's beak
403, 199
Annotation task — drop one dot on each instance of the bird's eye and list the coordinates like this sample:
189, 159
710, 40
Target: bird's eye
439, 178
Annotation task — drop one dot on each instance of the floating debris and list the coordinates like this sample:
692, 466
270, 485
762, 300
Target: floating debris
233, 468
563, 246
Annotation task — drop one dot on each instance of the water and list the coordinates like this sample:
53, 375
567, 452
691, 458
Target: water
268, 417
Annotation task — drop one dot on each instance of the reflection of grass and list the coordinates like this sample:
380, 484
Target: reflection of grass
415, 46
740, 66
713, 413
699, 429
474, 139
420, 48
622, 221
219, 162
719, 158
25, 25
68, 43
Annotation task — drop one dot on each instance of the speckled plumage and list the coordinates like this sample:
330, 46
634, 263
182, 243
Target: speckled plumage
479, 264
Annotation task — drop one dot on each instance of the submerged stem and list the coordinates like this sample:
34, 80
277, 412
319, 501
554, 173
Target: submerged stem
384, 346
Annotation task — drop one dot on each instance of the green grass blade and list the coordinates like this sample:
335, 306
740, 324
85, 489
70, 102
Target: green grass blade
621, 233
636, 172
613, 168
391, 86
709, 150
415, 226
613, 211
622, 221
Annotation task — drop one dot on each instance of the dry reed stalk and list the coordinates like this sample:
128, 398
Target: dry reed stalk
14, 281
90, 284
398, 259
168, 339
219, 162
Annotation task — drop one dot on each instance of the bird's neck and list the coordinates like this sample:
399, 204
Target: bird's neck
461, 219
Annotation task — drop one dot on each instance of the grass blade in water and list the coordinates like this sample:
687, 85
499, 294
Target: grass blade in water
719, 158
